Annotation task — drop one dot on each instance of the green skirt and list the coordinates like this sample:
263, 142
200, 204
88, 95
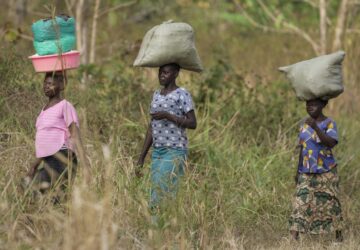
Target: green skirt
166, 169
316, 207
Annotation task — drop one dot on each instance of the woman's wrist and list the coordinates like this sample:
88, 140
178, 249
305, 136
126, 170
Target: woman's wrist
142, 156
171, 117
176, 120
319, 132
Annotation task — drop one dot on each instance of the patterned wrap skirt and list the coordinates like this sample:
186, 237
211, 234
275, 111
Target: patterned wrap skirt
167, 167
316, 206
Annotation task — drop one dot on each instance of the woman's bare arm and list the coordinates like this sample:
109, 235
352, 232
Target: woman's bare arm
189, 121
75, 135
33, 167
147, 144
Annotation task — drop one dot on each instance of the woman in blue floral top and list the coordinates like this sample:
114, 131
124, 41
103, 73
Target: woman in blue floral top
172, 112
316, 207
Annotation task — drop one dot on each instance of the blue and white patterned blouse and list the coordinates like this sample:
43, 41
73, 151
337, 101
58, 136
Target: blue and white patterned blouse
164, 132
316, 157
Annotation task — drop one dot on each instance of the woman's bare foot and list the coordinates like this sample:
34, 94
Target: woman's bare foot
339, 237
294, 234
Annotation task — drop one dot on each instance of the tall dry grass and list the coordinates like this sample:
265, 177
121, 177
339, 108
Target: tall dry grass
239, 180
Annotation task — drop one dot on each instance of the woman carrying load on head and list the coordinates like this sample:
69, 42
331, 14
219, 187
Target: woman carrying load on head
316, 206
172, 112
57, 138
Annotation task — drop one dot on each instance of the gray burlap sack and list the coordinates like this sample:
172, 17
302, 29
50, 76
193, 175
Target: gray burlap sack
320, 77
169, 42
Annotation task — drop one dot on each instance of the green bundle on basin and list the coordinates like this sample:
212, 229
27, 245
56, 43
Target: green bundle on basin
51, 47
53, 36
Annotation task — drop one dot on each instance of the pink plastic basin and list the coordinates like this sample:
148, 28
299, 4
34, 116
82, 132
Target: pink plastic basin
48, 63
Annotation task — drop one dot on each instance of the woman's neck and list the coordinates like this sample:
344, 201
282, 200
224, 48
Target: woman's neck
170, 87
54, 99
320, 118
52, 102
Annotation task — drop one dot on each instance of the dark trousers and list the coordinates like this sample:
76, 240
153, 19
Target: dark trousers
59, 169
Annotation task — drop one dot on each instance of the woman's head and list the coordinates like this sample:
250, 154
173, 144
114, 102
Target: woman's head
314, 107
168, 73
54, 83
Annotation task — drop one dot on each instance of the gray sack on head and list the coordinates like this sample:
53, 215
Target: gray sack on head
167, 43
320, 77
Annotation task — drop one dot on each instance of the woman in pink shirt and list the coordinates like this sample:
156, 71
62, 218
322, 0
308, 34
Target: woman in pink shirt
57, 138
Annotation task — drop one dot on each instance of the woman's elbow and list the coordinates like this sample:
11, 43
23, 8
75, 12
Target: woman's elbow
193, 125
332, 143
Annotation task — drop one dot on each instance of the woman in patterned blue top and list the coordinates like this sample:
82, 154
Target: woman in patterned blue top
316, 207
172, 112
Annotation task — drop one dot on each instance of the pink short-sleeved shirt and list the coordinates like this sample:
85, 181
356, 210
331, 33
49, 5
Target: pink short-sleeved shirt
52, 128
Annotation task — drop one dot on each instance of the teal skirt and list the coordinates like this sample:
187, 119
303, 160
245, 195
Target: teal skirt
167, 166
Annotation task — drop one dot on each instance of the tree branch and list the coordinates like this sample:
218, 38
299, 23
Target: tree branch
117, 7
316, 6
267, 11
69, 7
17, 33
340, 25
323, 26
304, 35
353, 31
252, 21
40, 14
2, 33
26, 37
79, 21
93, 32
290, 27
311, 3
